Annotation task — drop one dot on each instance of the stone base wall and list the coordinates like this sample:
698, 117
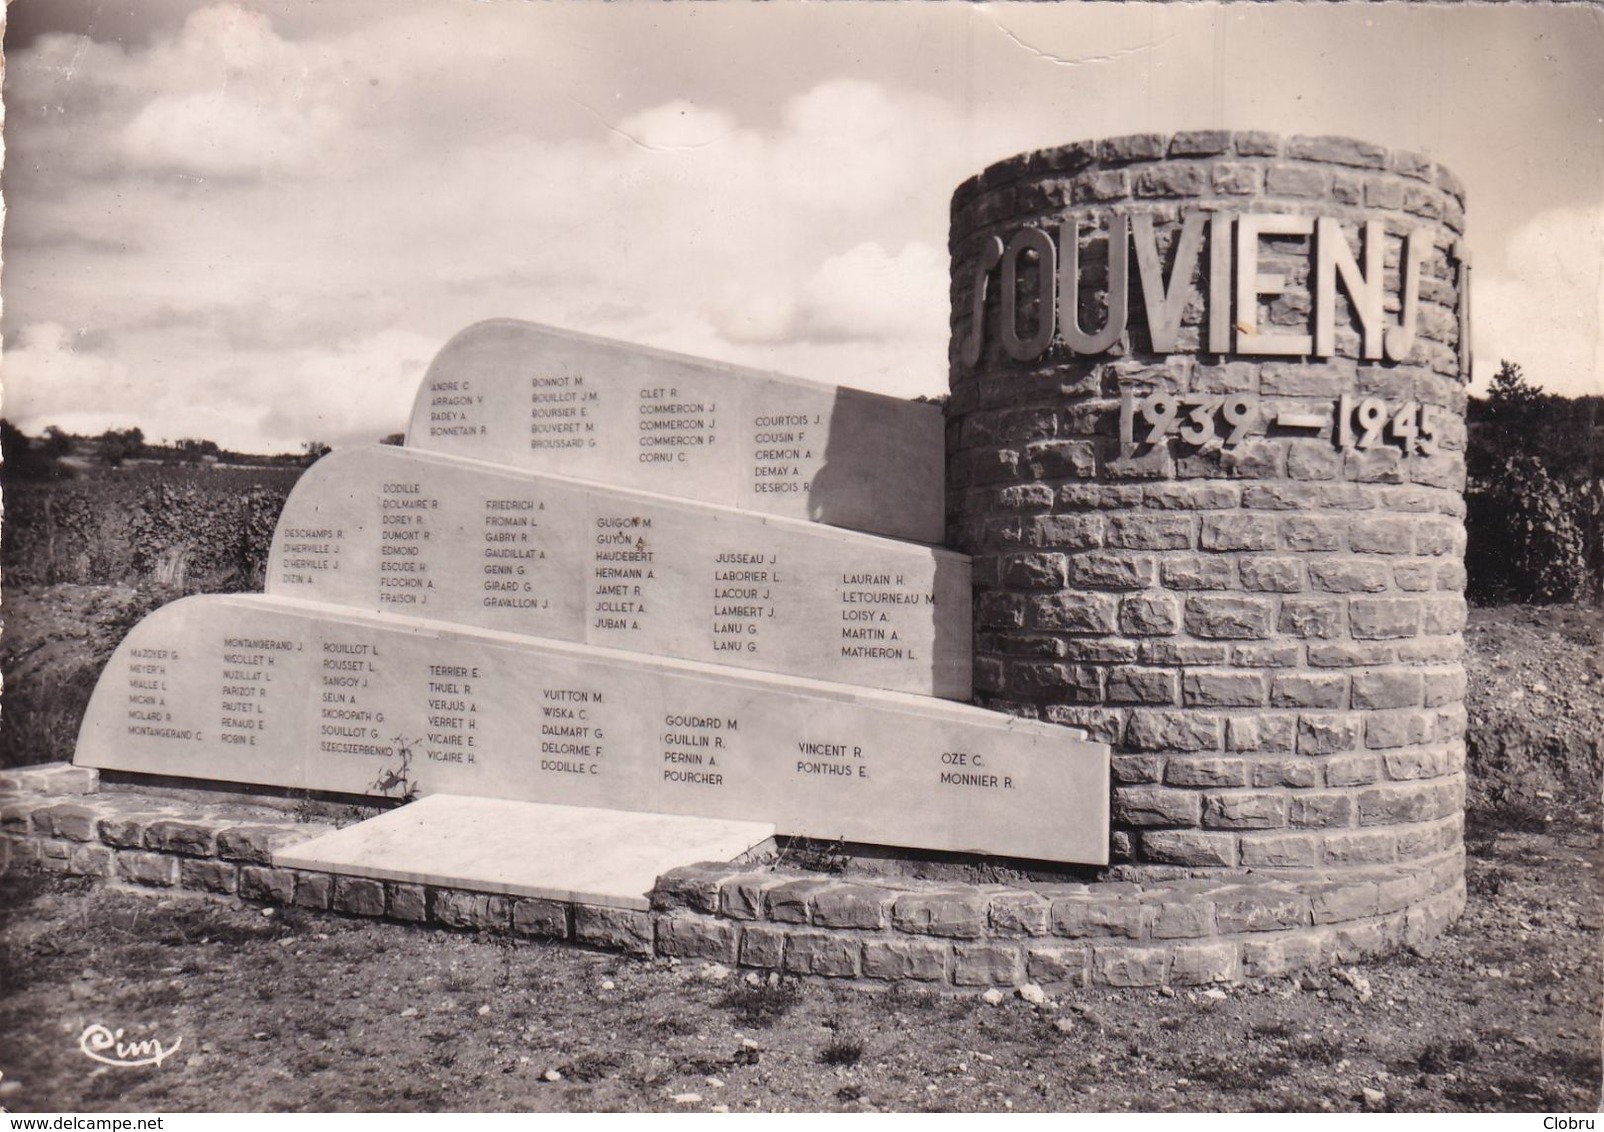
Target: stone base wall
1183, 931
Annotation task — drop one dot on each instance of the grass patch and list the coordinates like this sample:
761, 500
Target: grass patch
761, 1006
842, 1050
1440, 1057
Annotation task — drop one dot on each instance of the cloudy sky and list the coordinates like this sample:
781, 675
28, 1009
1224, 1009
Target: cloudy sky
257, 221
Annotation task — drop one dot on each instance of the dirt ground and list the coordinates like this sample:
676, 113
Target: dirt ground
305, 1011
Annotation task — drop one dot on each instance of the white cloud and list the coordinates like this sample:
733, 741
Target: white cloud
286, 218
50, 382
356, 393
1541, 304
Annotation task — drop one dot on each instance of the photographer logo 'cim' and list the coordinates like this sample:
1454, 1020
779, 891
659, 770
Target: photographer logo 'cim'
108, 1048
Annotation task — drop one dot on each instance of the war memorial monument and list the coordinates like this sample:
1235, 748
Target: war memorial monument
1161, 614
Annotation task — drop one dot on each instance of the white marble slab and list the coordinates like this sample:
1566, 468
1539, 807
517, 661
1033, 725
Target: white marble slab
260, 689
572, 853
397, 531
557, 401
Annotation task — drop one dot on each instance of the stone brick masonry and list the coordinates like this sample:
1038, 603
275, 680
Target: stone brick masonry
1269, 634
1182, 931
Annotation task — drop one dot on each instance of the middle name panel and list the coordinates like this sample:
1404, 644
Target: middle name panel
394, 530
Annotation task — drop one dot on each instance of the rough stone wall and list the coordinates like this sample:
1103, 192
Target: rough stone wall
1269, 634
54, 819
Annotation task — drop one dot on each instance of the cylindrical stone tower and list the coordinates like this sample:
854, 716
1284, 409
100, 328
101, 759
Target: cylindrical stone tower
1206, 446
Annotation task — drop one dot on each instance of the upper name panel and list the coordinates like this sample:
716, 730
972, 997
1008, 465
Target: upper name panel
555, 401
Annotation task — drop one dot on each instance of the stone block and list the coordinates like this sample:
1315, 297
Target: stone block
156, 869
1338, 151
792, 901
1314, 460
1260, 908
899, 959
1309, 689
547, 919
841, 904
1155, 806
270, 885
255, 844
1133, 147
956, 914
762, 946
70, 821
822, 953
1444, 614
1239, 532
615, 929
1020, 914
1192, 849
1173, 731
63, 778
1280, 851
1084, 917
1244, 810
1132, 685
684, 936
1311, 617
1387, 688
1288, 654
1190, 572
87, 860
1173, 181
1222, 688
1136, 769
208, 875
1060, 459
1067, 532
1147, 531
1299, 773
987, 964
1372, 619
1350, 575
1229, 618
313, 890
1280, 955
1197, 964
1328, 734
408, 902
1350, 654
1074, 612
358, 896
744, 897
1361, 847
1391, 535
1115, 966
1398, 803
1182, 652
1297, 181
1148, 614
1271, 575
125, 831
189, 839
1191, 496
1057, 963
1182, 919
1310, 534
55, 856
1110, 571
1180, 771
695, 887
1321, 809
1352, 770
1035, 570
1238, 179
